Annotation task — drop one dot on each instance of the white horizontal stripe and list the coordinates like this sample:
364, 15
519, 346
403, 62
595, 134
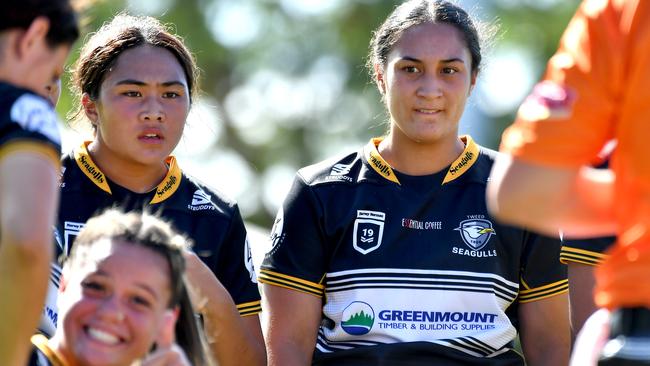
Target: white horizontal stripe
420, 279
406, 286
420, 271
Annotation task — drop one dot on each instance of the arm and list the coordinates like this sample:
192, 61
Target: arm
581, 295
232, 339
548, 199
545, 334
28, 201
291, 320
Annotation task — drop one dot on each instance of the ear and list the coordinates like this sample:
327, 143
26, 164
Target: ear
33, 38
379, 79
472, 82
90, 109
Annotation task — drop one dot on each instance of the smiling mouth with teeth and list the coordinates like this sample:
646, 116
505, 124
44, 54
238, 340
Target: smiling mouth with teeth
151, 136
102, 336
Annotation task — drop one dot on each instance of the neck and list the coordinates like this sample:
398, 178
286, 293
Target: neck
134, 176
419, 158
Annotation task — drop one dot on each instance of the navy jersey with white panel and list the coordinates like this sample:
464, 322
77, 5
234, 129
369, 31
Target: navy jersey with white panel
212, 222
411, 269
27, 121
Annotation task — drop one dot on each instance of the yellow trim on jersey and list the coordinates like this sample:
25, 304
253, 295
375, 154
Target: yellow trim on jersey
250, 308
170, 184
39, 341
377, 163
457, 168
290, 282
555, 288
90, 169
164, 190
464, 161
570, 255
31, 146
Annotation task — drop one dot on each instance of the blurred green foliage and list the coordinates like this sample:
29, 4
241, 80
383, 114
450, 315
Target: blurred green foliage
287, 84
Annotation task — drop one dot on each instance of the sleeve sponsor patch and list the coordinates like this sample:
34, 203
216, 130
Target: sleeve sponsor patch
35, 114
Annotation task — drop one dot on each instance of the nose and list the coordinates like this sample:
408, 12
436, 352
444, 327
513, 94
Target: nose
153, 110
430, 86
111, 310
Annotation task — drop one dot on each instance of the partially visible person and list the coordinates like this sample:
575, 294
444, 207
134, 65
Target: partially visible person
53, 91
388, 255
135, 81
595, 91
121, 295
35, 38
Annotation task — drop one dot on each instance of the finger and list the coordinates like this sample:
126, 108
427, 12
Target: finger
165, 338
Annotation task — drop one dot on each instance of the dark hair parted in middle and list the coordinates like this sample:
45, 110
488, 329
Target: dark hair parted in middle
415, 12
125, 32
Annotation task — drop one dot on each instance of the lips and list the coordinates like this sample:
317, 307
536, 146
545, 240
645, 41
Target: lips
428, 110
103, 336
151, 135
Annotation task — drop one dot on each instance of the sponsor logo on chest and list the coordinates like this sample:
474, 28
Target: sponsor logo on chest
475, 232
200, 201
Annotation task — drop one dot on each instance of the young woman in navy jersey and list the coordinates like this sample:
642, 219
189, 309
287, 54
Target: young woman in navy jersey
388, 255
135, 82
35, 38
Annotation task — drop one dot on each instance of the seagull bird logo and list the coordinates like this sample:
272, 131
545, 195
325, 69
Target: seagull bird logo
476, 232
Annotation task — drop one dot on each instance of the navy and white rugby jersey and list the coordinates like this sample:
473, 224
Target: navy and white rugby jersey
212, 222
27, 121
411, 269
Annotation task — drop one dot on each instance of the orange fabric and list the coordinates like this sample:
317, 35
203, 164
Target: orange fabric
598, 89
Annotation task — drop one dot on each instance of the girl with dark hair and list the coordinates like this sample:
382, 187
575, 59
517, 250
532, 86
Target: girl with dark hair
121, 296
35, 38
135, 82
388, 255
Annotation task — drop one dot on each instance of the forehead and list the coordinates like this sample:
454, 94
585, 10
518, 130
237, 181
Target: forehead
123, 261
429, 40
148, 64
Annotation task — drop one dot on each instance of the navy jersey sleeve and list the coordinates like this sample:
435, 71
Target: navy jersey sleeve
586, 251
235, 268
542, 274
297, 259
28, 122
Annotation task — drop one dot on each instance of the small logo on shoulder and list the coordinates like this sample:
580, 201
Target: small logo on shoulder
201, 201
368, 231
476, 232
339, 172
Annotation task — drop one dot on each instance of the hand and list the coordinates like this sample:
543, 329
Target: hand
167, 352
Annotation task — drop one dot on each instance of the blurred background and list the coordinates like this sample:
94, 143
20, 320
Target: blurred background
284, 83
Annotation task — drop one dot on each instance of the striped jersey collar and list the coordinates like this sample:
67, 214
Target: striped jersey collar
465, 161
164, 190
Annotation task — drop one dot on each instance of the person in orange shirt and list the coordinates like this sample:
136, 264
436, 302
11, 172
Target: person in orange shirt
595, 91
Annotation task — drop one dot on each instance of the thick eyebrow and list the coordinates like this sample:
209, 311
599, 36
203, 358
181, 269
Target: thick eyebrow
446, 61
142, 83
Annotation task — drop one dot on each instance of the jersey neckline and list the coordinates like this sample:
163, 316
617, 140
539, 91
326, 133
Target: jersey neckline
467, 158
164, 190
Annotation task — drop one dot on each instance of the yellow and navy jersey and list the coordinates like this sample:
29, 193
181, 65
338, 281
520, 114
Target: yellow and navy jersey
28, 122
42, 354
204, 215
409, 268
